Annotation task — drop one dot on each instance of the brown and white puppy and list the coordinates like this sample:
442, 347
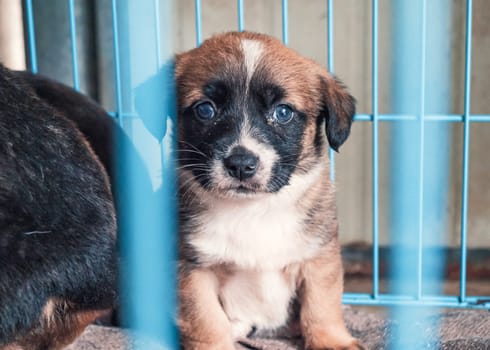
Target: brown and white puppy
257, 213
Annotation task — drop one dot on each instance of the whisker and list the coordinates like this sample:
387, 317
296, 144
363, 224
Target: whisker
196, 166
191, 145
295, 165
191, 188
193, 151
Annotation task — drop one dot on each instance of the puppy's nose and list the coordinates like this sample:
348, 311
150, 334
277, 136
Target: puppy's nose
241, 164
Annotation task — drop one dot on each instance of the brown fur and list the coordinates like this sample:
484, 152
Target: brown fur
218, 51
318, 281
320, 297
60, 323
205, 325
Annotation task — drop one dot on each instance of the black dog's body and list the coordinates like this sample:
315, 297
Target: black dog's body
57, 224
92, 120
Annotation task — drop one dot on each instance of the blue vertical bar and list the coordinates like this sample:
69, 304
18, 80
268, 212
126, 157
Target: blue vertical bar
117, 66
241, 22
157, 31
375, 149
437, 142
331, 152
408, 33
466, 143
330, 35
147, 178
31, 34
198, 23
421, 152
73, 38
285, 23
418, 161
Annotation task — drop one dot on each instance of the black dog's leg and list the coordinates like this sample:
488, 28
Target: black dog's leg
49, 299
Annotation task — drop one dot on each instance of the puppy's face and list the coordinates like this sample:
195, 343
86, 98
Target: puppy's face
252, 113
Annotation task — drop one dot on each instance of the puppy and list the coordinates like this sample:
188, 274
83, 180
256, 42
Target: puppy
57, 224
258, 218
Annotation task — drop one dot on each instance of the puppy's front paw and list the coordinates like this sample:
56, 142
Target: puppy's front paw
192, 344
331, 341
355, 345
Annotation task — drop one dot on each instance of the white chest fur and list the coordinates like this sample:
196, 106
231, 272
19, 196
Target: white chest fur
261, 233
257, 238
256, 235
256, 299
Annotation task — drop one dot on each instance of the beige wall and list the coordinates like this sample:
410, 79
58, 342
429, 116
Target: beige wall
11, 34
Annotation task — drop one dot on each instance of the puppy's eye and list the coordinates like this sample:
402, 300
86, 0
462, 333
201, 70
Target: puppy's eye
205, 111
283, 114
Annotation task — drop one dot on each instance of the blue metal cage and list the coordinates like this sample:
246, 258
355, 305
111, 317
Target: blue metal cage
418, 118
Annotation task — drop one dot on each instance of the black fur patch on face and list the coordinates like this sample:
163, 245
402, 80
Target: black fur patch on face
319, 140
267, 94
203, 141
263, 98
217, 91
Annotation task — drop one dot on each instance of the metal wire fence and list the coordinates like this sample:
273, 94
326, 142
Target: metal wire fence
418, 119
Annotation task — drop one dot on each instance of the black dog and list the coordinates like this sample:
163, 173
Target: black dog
92, 120
57, 222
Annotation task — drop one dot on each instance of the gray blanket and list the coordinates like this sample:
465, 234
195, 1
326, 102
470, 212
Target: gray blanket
456, 330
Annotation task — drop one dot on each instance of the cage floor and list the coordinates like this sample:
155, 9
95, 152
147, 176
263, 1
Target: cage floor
449, 287
454, 329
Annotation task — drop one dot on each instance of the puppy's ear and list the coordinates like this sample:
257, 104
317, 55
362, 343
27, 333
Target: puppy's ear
338, 109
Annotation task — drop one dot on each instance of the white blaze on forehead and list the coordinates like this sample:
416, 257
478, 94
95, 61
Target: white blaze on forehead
252, 52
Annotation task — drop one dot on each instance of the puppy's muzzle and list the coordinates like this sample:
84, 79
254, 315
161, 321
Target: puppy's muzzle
241, 164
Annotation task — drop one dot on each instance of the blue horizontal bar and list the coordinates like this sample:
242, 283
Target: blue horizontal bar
397, 297
126, 115
473, 302
452, 118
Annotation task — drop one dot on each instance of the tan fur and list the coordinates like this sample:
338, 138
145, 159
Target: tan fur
258, 254
59, 324
321, 312
203, 323
320, 280
215, 53
10, 347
